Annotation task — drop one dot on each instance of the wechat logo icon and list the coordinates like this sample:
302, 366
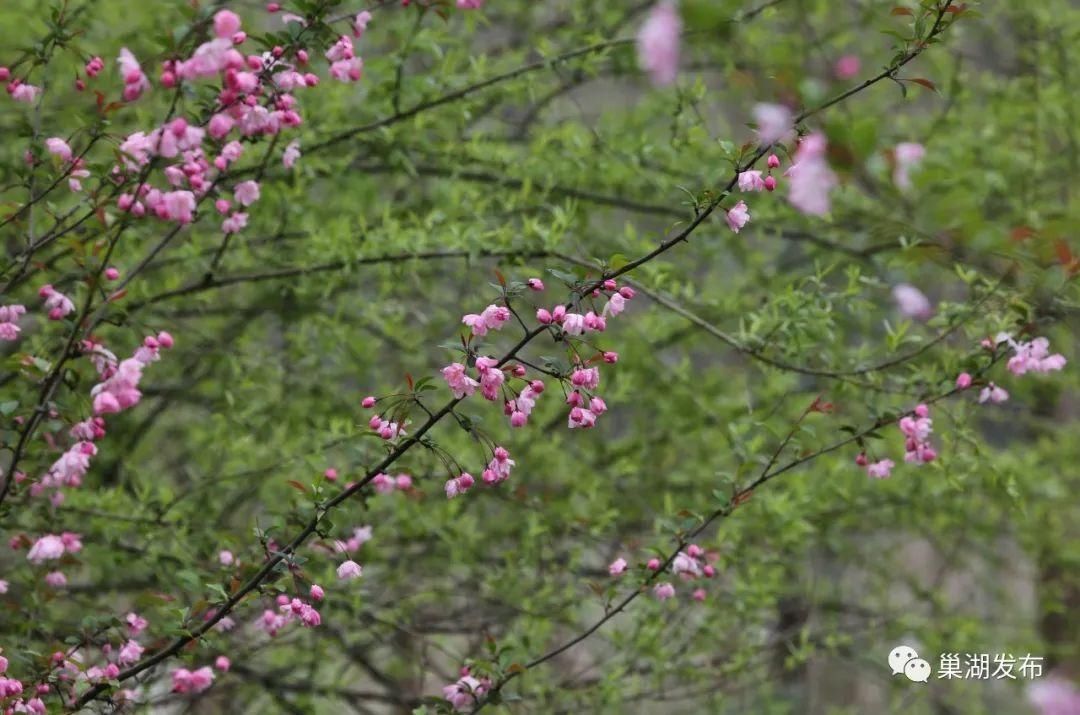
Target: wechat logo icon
904, 660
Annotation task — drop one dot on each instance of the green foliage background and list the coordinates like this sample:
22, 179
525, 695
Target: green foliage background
573, 164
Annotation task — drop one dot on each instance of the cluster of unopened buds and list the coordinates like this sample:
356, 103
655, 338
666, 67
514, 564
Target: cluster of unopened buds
465, 693
689, 564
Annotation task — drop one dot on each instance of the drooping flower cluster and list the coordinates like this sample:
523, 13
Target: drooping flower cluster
9, 321
917, 429
57, 304
464, 694
289, 610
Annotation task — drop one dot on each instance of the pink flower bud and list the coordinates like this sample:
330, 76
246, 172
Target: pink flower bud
610, 284
770, 183
537, 386
653, 565
627, 292
535, 284
331, 474
543, 316
111, 273
611, 357
273, 6
963, 381
860, 459
922, 411
316, 592
773, 161
368, 402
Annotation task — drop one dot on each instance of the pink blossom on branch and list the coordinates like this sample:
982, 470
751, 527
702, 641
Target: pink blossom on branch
738, 216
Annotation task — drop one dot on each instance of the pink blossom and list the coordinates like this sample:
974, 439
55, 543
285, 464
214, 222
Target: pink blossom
58, 147
658, 43
220, 125
993, 393
130, 653
292, 153
616, 304
350, 70
535, 284
470, 4
811, 177
751, 181
738, 216
135, 81
234, 223
176, 206
459, 485
136, 623
912, 302
663, 591
963, 381
467, 691
881, 469
847, 67
222, 663
460, 384
1054, 695
360, 23
22, 92
185, 681
316, 592
246, 193
917, 430
349, 570
653, 564
908, 155
573, 324
9, 321
226, 558
491, 377
1034, 357
226, 23
56, 579
699, 595
57, 304
775, 123
47, 548
685, 564
617, 567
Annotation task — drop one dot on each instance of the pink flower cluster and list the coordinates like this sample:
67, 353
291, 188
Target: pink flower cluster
57, 304
187, 681
51, 547
9, 321
917, 429
289, 610
1033, 356
384, 483
387, 429
360, 536
466, 692
493, 317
